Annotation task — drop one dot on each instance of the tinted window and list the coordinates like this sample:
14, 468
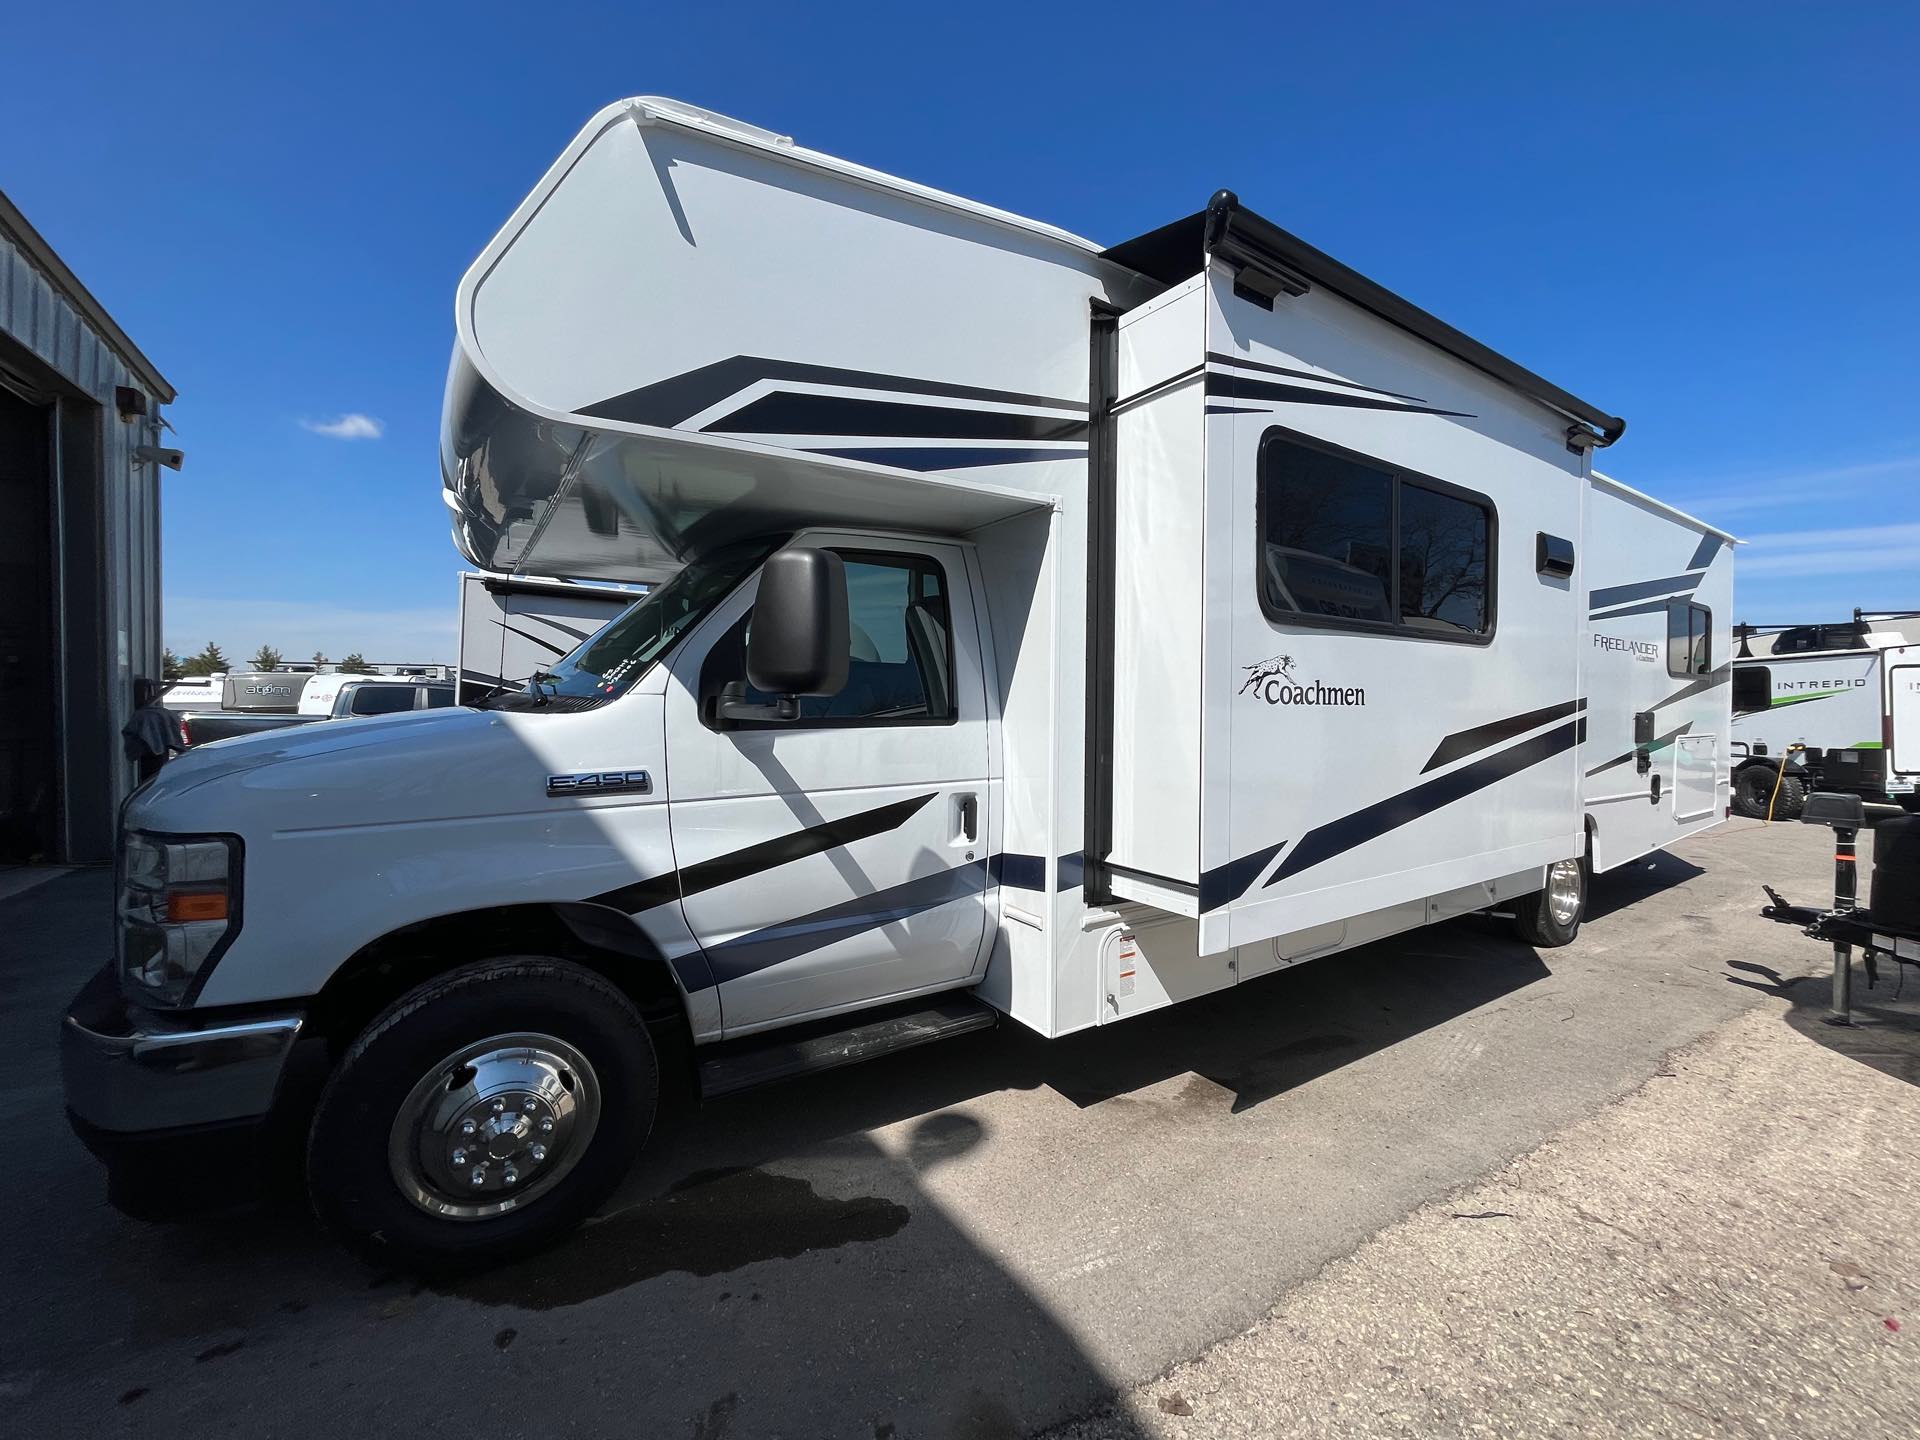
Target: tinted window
623, 649
1752, 689
1348, 539
1329, 533
1443, 560
1689, 639
901, 664
381, 699
437, 697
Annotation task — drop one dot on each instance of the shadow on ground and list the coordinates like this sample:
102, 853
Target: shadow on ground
770, 1265
1885, 1033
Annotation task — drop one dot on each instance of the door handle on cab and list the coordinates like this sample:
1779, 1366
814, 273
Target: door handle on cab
969, 817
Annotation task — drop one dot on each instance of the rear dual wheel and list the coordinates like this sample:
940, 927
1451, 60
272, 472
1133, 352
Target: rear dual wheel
482, 1115
1551, 916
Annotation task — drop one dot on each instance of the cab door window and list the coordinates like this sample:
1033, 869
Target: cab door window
900, 670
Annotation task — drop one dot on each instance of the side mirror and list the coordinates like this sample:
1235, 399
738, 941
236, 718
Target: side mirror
798, 643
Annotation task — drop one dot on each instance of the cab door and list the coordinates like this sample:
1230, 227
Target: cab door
840, 858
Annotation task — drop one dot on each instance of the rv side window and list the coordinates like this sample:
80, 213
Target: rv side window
1689, 636
901, 668
1350, 542
1752, 689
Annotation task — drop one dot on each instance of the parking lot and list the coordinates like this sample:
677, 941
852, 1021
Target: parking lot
982, 1239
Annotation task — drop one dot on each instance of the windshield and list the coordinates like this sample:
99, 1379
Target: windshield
623, 649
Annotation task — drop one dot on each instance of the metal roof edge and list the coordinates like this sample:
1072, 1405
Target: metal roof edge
1228, 229
44, 258
1674, 510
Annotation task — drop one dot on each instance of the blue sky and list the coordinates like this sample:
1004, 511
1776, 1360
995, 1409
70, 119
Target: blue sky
1701, 217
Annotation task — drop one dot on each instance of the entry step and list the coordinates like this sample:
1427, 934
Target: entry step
756, 1060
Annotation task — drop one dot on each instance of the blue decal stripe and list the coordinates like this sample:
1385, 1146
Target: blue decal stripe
759, 949
1029, 872
1337, 837
921, 457
1673, 585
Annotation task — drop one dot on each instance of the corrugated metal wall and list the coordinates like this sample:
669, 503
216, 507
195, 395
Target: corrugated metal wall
124, 543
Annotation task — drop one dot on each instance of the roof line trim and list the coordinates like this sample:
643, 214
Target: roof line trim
1228, 229
44, 258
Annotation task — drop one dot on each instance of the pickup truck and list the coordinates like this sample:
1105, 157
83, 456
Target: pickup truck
358, 697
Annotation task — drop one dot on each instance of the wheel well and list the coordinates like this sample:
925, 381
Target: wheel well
384, 970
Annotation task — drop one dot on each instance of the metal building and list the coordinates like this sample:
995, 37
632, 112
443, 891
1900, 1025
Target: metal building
80, 461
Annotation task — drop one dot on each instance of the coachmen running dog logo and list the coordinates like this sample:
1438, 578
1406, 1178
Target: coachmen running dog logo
1279, 667
1272, 681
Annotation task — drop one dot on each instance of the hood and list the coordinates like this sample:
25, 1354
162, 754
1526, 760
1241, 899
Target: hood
422, 765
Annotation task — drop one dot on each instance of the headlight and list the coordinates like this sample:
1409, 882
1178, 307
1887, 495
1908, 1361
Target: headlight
179, 907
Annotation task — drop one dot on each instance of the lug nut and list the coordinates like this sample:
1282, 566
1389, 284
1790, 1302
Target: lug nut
498, 1106
467, 1127
479, 1176
459, 1157
547, 1124
512, 1177
539, 1153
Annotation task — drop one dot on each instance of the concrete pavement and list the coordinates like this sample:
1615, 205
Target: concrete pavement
1732, 1250
982, 1239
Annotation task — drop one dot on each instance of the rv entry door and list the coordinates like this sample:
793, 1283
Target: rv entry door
1902, 724
840, 857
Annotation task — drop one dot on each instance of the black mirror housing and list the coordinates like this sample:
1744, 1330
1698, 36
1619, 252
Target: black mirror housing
799, 640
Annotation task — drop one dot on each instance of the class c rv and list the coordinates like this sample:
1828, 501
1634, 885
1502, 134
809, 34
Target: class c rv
1039, 630
1826, 707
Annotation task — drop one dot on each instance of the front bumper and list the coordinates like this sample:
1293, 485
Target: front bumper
134, 1075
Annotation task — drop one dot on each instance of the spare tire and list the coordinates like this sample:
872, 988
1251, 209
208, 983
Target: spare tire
1792, 798
1754, 788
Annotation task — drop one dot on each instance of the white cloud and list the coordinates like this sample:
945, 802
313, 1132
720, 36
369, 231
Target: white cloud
296, 629
1860, 550
353, 426
1771, 492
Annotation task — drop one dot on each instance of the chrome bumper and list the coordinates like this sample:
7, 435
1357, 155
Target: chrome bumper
130, 1072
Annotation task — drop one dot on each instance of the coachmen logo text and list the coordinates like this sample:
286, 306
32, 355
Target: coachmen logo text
1272, 680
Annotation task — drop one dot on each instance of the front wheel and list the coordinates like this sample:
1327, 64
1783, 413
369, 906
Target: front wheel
482, 1115
1551, 916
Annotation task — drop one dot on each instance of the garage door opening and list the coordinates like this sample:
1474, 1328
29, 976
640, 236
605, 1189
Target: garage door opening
29, 738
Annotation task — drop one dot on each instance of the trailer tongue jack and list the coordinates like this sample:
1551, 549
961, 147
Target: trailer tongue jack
1846, 924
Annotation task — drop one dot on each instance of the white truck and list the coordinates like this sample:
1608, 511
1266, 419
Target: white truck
1041, 630
1825, 707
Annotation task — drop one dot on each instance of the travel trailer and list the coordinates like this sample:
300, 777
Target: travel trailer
511, 628
1825, 707
1040, 630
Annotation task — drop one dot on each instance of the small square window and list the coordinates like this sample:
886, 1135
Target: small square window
1689, 639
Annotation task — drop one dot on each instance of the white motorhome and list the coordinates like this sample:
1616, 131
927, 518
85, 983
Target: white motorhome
1825, 707
1040, 630
512, 628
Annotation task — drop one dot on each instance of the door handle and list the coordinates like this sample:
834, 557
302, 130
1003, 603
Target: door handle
970, 816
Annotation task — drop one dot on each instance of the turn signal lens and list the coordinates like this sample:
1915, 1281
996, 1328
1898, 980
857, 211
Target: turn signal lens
183, 906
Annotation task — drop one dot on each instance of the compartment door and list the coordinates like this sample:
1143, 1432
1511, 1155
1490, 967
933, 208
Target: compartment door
1696, 759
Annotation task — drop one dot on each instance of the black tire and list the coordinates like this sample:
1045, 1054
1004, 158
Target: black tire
1534, 918
350, 1179
1753, 790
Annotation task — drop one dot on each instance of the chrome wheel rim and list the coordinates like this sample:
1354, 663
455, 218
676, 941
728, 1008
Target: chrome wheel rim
1563, 891
494, 1126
